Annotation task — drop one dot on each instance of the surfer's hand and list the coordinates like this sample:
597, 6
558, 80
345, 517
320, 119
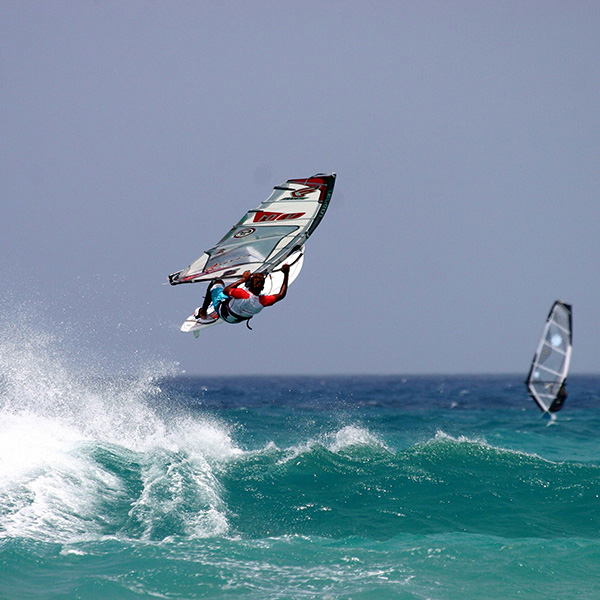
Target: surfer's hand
285, 269
246, 275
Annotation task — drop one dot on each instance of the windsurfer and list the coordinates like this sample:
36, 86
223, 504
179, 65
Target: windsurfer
561, 396
235, 305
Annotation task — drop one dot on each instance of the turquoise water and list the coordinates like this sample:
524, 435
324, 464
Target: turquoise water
440, 488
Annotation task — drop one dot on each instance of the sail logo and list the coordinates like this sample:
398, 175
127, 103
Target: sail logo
262, 216
303, 192
244, 232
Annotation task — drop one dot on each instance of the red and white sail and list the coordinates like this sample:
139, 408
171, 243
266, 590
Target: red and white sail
268, 236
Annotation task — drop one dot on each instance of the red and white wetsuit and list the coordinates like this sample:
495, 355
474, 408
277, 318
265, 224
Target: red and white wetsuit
245, 304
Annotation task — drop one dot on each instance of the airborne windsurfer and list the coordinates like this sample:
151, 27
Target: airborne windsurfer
235, 305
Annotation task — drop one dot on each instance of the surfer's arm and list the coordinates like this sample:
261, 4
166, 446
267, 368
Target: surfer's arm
284, 286
235, 284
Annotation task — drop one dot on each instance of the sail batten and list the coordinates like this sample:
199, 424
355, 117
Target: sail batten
560, 326
557, 373
557, 350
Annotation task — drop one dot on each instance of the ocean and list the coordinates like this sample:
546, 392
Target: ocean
363, 487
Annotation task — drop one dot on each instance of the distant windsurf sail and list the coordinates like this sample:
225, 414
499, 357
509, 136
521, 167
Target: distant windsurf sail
268, 236
550, 365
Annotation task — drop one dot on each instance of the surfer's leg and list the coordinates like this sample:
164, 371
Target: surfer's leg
215, 289
216, 293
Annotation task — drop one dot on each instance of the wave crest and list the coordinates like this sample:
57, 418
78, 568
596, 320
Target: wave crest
86, 454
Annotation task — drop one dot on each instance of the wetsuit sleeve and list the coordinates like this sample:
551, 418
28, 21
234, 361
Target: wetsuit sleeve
267, 300
239, 294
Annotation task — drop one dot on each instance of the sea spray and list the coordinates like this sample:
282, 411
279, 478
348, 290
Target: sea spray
84, 455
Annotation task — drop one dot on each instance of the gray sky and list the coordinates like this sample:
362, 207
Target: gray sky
465, 136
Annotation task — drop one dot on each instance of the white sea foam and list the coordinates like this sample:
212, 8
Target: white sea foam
349, 436
57, 407
48, 488
353, 435
480, 443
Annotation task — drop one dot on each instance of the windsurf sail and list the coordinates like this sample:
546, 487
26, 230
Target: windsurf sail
550, 365
268, 236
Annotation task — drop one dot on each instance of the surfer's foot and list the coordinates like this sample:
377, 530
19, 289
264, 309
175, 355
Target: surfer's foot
200, 314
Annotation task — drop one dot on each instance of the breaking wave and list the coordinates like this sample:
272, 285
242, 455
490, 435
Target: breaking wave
85, 455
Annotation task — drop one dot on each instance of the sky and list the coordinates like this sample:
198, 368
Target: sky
465, 136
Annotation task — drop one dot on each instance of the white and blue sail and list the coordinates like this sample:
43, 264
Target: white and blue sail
550, 366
